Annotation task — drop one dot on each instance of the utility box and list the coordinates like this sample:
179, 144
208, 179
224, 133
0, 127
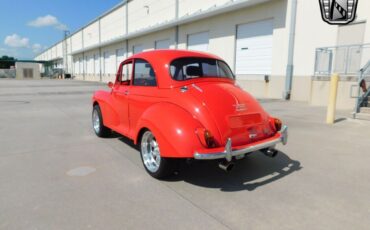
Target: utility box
27, 70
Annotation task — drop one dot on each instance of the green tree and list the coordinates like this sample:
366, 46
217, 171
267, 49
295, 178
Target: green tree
6, 62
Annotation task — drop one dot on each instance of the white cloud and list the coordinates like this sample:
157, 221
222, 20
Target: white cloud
15, 40
61, 27
36, 48
48, 20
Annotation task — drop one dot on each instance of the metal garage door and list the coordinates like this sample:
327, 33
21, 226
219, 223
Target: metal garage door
254, 48
120, 57
198, 41
163, 44
137, 49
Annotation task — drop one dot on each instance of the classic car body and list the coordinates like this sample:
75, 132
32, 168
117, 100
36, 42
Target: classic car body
188, 104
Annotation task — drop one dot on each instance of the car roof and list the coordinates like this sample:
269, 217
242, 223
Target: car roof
167, 55
161, 59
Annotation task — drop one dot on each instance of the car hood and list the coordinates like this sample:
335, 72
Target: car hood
234, 113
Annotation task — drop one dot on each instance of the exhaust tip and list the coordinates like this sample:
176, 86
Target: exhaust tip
226, 166
270, 152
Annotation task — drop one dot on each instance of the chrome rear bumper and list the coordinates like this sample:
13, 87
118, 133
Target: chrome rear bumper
228, 153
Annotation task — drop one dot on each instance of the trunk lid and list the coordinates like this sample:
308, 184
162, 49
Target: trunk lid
236, 114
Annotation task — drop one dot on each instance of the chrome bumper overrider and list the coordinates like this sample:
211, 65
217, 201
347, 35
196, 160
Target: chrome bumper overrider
228, 153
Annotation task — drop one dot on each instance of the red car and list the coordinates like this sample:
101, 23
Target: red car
183, 104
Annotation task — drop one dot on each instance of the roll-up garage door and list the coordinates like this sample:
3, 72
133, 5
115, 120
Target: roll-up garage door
254, 48
120, 56
137, 49
163, 44
198, 41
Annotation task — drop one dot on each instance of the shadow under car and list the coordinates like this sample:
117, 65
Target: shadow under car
253, 171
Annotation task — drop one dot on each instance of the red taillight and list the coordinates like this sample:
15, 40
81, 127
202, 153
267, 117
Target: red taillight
210, 140
206, 138
278, 124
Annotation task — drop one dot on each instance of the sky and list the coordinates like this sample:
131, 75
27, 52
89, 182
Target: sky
27, 27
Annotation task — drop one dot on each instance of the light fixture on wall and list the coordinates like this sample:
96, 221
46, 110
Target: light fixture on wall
147, 9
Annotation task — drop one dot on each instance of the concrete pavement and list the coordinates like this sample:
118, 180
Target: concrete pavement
56, 174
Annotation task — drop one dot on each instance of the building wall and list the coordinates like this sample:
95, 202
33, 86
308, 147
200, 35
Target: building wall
222, 30
59, 50
20, 67
77, 42
143, 14
187, 7
113, 25
69, 67
91, 34
148, 42
310, 33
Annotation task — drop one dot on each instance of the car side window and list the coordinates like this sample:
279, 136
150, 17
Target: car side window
125, 72
144, 74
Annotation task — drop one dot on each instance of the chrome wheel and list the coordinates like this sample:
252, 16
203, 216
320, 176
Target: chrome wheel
96, 121
150, 152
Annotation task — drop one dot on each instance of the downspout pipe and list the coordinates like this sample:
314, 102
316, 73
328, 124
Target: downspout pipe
100, 58
290, 64
177, 26
83, 56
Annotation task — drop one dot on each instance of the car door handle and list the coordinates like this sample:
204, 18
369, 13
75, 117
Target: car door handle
124, 93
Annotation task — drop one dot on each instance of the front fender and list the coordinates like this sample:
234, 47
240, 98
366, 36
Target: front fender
110, 116
174, 129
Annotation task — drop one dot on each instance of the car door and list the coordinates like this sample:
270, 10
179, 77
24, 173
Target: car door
120, 96
144, 91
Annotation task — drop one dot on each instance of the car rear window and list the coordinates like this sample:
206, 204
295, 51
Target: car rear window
189, 68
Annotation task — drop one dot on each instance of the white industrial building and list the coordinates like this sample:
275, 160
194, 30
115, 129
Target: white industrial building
275, 47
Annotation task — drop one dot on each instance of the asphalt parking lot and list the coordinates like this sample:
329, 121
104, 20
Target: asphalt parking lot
56, 174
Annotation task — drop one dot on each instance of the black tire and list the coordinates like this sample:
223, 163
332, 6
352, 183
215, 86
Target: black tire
166, 166
101, 130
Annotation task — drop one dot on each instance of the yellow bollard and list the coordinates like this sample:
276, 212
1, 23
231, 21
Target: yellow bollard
330, 116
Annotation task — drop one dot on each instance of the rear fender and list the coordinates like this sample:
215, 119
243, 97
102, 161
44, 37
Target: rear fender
174, 129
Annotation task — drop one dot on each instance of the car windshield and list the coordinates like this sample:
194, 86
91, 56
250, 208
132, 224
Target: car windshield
189, 68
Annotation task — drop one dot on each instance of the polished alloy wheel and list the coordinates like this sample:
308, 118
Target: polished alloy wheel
96, 121
150, 152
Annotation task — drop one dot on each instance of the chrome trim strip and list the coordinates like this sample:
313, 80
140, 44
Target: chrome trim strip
228, 153
197, 88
